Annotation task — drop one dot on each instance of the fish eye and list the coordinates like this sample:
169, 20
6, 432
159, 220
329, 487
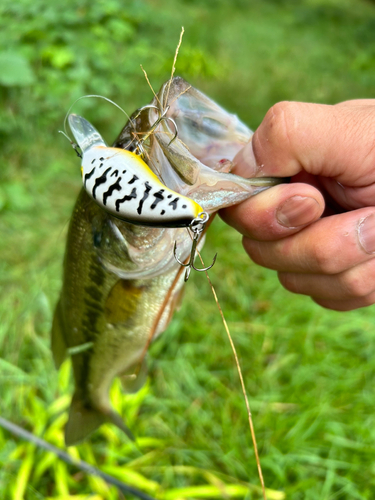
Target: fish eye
97, 238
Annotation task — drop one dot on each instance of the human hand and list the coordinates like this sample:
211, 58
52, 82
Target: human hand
319, 231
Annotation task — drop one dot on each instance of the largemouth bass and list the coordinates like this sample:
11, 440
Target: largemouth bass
121, 281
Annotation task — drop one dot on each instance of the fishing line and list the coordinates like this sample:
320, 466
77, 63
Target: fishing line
151, 335
252, 431
80, 464
65, 133
75, 146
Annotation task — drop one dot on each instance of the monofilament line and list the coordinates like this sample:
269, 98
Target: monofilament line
242, 383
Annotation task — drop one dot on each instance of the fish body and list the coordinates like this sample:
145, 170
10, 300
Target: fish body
113, 316
121, 282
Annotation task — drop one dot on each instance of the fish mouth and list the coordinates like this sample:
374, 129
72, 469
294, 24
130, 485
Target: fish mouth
197, 163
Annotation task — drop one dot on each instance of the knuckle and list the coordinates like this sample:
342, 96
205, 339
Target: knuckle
363, 126
359, 281
369, 158
368, 300
288, 281
327, 304
281, 119
346, 305
324, 259
279, 136
355, 285
257, 251
333, 305
252, 250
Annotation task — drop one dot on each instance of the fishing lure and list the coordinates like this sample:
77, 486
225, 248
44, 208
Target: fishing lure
122, 184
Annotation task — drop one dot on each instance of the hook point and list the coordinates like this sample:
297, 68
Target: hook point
197, 226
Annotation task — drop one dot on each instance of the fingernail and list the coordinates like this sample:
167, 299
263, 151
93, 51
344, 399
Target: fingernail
298, 211
244, 162
366, 233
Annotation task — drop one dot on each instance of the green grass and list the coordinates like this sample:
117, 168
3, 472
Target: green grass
309, 372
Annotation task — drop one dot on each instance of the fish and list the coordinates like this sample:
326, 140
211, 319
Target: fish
121, 282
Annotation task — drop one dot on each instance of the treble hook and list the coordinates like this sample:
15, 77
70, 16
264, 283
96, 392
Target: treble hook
162, 116
197, 226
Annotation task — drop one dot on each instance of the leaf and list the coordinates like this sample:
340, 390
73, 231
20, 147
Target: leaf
59, 405
61, 479
11, 368
24, 474
44, 464
15, 70
228, 490
76, 497
132, 478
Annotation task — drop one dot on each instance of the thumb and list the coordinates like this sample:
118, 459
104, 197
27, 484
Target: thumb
334, 142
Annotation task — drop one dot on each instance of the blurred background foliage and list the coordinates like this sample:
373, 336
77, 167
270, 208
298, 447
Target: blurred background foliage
309, 372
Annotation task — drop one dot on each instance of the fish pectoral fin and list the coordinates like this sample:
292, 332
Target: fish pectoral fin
58, 344
135, 377
83, 420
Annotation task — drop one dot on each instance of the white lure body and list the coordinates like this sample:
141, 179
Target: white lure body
123, 185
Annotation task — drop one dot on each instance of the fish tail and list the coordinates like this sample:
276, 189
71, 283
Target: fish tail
84, 419
58, 344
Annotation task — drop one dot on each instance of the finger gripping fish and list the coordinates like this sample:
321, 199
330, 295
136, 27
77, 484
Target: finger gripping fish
123, 185
121, 281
